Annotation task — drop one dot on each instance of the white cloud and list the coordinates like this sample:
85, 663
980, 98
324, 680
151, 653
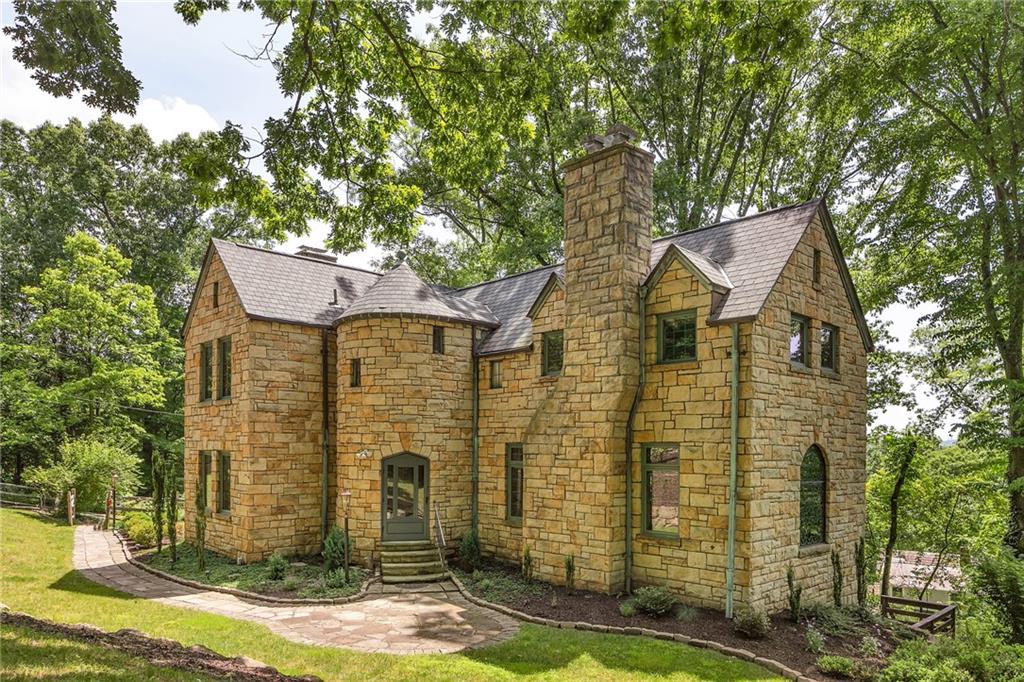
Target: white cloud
24, 103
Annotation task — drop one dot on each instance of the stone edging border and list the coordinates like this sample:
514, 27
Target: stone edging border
743, 654
249, 596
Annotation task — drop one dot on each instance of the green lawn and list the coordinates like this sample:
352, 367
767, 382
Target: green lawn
36, 577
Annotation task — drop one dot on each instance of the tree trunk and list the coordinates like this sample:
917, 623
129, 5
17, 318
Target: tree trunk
894, 508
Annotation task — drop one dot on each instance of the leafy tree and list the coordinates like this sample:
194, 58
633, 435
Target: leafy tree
93, 347
88, 465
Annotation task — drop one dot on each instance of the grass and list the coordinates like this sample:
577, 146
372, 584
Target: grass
31, 655
306, 581
36, 577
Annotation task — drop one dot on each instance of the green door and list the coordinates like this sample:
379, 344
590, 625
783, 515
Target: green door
405, 507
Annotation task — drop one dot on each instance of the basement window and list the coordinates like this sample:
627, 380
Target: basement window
677, 336
798, 340
552, 352
439, 340
661, 489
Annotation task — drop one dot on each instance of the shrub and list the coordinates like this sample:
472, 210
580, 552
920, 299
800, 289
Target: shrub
815, 641
654, 601
751, 622
527, 564
570, 573
469, 550
870, 647
124, 520
836, 666
860, 565
999, 578
830, 620
334, 549
686, 614
794, 594
87, 465
976, 653
276, 566
335, 578
140, 529
627, 609
837, 579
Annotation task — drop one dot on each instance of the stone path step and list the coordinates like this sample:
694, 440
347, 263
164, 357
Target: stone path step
418, 578
403, 622
409, 568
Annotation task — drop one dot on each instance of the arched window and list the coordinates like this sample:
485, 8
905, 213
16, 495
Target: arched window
812, 497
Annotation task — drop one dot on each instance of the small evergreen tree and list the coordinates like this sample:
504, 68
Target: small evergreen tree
171, 496
527, 564
570, 573
837, 579
861, 567
157, 470
200, 525
795, 591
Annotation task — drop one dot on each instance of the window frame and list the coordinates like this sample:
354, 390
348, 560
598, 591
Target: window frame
216, 294
821, 539
544, 337
223, 368
510, 466
437, 341
833, 344
205, 481
355, 368
206, 371
664, 318
647, 526
816, 267
224, 481
805, 332
495, 374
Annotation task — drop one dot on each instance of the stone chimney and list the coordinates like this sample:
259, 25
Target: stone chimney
608, 214
316, 252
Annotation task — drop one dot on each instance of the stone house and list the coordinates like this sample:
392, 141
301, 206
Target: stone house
686, 411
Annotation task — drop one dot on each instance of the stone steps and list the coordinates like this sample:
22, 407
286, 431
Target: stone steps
410, 561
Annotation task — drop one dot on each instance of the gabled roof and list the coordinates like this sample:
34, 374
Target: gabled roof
283, 287
402, 292
710, 273
555, 279
510, 299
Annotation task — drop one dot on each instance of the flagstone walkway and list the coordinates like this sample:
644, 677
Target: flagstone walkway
435, 619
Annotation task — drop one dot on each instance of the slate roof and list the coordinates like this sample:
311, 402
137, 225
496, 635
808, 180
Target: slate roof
742, 258
401, 292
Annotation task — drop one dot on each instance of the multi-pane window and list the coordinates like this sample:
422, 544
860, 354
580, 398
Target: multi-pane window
812, 497
495, 373
514, 479
798, 340
224, 367
661, 489
677, 336
439, 340
216, 294
829, 348
551, 353
816, 267
205, 371
205, 479
356, 372
224, 482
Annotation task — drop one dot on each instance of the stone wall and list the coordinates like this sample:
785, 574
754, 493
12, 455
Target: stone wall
794, 408
410, 400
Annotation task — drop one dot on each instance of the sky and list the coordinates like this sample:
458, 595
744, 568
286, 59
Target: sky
194, 78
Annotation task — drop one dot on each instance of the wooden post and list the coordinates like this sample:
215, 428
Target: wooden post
71, 507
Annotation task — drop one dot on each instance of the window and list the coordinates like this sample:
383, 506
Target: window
205, 371
661, 489
514, 480
356, 373
224, 366
677, 336
205, 482
216, 294
551, 353
812, 498
798, 340
829, 348
816, 268
224, 482
439, 340
495, 373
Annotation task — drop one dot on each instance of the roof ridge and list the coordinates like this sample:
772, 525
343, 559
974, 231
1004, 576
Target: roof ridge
507, 277
297, 256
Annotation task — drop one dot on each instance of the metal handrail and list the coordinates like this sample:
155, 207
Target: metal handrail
439, 533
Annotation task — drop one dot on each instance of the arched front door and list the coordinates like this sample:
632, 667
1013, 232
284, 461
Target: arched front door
405, 503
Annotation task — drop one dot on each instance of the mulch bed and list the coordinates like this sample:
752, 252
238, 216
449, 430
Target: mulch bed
786, 644
159, 651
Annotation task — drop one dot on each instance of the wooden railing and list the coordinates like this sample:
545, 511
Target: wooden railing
12, 495
923, 617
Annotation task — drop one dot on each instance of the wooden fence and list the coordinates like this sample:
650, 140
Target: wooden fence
24, 496
923, 617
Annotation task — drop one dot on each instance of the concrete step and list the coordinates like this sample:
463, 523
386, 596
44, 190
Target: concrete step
408, 555
426, 567
428, 578
403, 545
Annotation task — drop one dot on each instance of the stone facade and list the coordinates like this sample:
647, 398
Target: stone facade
572, 426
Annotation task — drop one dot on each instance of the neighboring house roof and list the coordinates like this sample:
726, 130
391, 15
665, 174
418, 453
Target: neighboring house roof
912, 570
402, 292
741, 259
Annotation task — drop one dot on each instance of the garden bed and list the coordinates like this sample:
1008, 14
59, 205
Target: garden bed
843, 631
303, 578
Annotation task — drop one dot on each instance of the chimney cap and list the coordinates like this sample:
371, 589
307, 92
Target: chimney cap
316, 252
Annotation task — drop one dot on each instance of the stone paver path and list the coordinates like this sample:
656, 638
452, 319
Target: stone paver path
391, 620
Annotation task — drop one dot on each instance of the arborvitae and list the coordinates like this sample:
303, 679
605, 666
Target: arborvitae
200, 525
170, 472
795, 591
861, 566
157, 469
837, 579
